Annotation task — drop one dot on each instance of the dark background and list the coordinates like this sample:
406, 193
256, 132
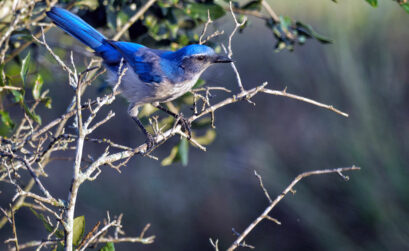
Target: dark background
364, 73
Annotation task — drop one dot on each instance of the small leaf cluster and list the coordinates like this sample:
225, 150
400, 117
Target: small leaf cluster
289, 32
14, 88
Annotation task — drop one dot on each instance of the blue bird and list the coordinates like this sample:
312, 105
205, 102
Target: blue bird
153, 76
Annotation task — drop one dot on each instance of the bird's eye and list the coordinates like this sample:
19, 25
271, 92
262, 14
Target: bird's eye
200, 58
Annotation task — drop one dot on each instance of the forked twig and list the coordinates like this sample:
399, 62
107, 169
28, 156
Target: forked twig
264, 214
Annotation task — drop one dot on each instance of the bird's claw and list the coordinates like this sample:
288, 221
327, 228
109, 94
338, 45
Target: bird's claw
150, 142
186, 126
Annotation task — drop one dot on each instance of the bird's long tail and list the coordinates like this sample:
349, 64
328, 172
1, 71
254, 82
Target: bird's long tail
76, 27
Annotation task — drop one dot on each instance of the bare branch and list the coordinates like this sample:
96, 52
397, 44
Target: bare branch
97, 236
147, 240
209, 21
260, 180
14, 229
303, 99
264, 214
32, 173
229, 47
56, 57
215, 244
214, 34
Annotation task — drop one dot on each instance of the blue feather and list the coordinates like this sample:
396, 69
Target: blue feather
82, 31
76, 27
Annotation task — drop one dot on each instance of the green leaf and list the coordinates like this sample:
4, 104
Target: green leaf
78, 231
199, 83
37, 87
308, 30
183, 151
199, 11
24, 67
208, 138
172, 157
373, 3
6, 120
18, 96
47, 102
108, 247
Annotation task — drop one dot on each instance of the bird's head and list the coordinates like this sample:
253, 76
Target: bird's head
196, 58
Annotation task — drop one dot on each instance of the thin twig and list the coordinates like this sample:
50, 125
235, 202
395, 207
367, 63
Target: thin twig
260, 180
209, 21
14, 230
303, 99
229, 47
289, 188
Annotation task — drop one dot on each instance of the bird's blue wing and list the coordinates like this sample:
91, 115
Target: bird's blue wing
144, 61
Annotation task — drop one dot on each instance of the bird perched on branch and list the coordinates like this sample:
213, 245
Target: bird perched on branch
153, 76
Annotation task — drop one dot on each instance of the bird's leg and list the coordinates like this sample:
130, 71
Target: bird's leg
133, 111
182, 120
150, 141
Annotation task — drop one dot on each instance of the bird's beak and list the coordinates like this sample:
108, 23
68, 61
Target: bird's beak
222, 59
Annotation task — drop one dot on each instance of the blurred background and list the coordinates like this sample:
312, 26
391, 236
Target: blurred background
364, 72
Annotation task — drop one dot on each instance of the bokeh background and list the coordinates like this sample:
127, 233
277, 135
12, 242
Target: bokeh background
365, 73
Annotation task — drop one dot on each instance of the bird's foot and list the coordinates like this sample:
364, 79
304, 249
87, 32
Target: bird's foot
186, 126
150, 143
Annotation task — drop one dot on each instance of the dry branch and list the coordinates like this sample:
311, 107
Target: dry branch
264, 214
